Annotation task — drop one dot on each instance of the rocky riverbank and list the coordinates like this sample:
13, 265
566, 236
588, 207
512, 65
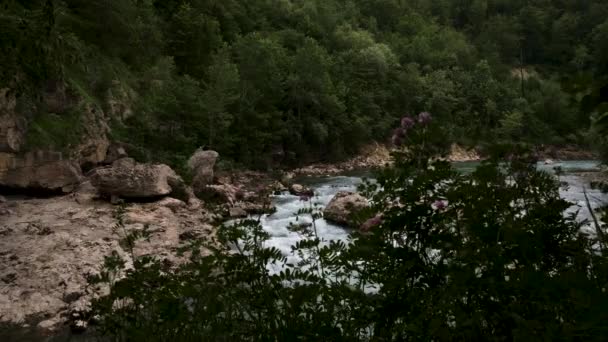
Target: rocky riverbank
49, 246
565, 153
377, 156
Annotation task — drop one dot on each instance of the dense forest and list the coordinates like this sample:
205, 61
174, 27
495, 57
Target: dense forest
291, 81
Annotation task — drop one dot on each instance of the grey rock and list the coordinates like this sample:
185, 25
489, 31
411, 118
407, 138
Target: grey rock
237, 212
5, 212
300, 190
128, 179
172, 203
202, 164
41, 170
343, 206
115, 152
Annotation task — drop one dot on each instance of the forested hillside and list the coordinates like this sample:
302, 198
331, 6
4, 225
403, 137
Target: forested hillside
290, 81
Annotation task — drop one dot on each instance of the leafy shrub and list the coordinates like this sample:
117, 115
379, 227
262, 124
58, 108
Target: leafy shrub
489, 255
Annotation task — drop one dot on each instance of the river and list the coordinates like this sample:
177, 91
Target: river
326, 187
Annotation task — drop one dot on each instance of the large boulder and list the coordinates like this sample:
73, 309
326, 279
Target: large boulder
129, 179
343, 206
201, 164
39, 171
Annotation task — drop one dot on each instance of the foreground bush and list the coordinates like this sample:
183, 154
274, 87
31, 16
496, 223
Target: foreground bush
489, 255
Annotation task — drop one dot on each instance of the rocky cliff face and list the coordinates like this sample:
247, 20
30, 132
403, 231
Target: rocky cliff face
27, 164
42, 170
39, 170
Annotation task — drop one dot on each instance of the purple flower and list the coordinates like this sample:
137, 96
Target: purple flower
371, 223
398, 135
440, 204
407, 122
424, 118
400, 132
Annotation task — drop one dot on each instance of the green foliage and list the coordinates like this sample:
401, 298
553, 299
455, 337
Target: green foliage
511, 126
171, 119
591, 94
112, 25
600, 45
282, 82
55, 132
489, 255
192, 38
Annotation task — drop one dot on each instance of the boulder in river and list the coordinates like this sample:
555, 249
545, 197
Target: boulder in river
287, 178
300, 190
343, 206
237, 212
277, 188
257, 208
129, 179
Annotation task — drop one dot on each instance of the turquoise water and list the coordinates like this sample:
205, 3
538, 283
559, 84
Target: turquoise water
566, 166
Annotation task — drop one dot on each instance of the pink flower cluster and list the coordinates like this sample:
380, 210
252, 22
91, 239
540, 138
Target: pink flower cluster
423, 119
440, 204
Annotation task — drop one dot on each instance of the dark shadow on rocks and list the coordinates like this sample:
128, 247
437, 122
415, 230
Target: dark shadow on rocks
30, 192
